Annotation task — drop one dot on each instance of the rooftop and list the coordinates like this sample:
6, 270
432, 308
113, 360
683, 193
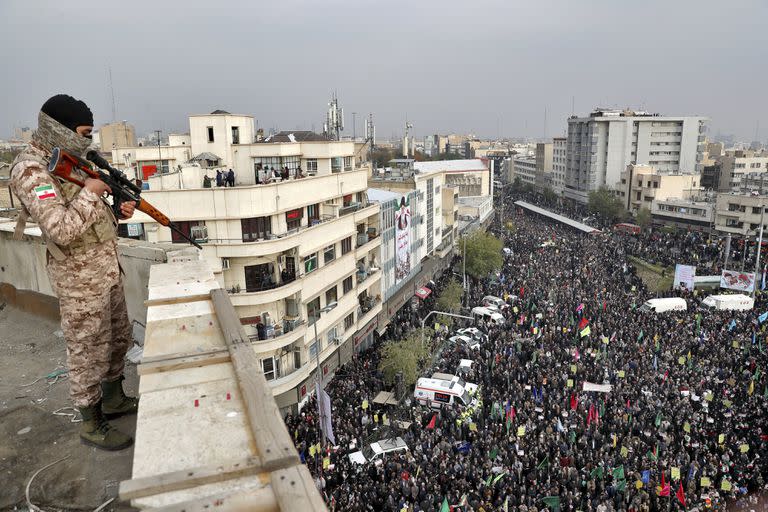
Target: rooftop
296, 136
467, 165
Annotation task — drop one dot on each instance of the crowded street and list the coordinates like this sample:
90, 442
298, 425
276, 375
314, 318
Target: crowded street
673, 417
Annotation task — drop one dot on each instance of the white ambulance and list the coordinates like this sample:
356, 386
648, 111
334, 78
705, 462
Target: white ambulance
438, 392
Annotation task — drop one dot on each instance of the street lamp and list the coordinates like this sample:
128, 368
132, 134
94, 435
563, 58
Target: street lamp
424, 320
316, 313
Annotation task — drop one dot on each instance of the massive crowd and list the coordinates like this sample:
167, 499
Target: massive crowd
687, 407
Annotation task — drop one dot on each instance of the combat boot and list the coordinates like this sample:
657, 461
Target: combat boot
114, 402
96, 430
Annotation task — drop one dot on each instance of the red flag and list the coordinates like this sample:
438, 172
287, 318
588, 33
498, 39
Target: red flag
576, 354
431, 424
605, 305
681, 494
628, 405
665, 487
591, 414
583, 323
666, 374
574, 402
522, 291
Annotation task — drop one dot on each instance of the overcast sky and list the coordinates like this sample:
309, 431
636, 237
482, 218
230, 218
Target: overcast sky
449, 65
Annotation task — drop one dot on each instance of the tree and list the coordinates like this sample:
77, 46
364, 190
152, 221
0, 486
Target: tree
602, 202
381, 156
643, 217
404, 356
450, 301
483, 254
549, 195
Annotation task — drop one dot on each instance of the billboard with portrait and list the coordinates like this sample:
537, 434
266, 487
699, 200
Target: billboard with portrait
402, 239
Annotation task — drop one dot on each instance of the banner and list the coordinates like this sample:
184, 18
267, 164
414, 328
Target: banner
325, 413
684, 277
600, 388
741, 281
402, 240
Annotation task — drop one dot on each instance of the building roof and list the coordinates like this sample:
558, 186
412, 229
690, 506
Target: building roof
468, 165
217, 111
382, 196
556, 217
205, 156
296, 136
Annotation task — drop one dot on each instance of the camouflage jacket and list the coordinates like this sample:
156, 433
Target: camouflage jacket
75, 219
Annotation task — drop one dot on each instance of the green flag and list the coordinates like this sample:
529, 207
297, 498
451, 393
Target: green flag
544, 461
499, 477
596, 473
493, 453
488, 481
445, 507
640, 336
620, 486
658, 419
552, 502
618, 473
573, 436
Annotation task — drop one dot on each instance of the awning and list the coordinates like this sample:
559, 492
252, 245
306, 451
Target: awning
423, 292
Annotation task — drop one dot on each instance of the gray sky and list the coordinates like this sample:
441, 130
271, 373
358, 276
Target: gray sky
451, 66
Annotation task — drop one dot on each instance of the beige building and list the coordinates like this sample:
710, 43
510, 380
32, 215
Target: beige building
117, 135
283, 248
524, 167
544, 157
735, 164
640, 185
695, 215
559, 148
740, 214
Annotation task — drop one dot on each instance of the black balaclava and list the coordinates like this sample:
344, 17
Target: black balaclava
57, 121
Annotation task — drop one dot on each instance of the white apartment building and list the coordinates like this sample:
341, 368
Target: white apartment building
284, 248
735, 165
740, 214
559, 148
524, 167
694, 215
641, 185
600, 147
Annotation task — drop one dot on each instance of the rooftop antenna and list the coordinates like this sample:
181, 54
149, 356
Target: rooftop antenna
112, 92
334, 119
545, 123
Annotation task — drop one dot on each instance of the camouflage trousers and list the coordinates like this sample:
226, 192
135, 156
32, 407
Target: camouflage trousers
98, 334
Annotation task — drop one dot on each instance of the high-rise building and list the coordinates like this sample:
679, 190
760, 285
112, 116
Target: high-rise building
600, 147
559, 147
735, 164
543, 165
117, 135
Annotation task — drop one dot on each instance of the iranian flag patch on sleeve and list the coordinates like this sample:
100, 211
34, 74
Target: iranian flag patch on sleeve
45, 192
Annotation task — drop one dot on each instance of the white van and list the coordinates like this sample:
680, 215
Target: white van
466, 341
734, 302
438, 392
474, 333
490, 300
481, 313
465, 366
377, 450
665, 304
472, 388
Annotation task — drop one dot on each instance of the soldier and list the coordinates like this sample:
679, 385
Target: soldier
82, 263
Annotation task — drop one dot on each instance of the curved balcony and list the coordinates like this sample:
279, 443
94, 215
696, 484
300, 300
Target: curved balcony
266, 296
267, 347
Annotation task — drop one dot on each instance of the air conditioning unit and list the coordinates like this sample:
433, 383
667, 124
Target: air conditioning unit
199, 233
336, 340
225, 263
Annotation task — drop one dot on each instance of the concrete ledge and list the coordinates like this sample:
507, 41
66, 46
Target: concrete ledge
38, 304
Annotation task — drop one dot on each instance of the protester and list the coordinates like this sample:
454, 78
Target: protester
687, 404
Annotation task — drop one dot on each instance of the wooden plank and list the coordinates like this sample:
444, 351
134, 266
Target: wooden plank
183, 362
255, 500
179, 329
166, 380
178, 480
266, 423
295, 490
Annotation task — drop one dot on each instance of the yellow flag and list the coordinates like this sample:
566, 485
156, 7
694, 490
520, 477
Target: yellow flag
312, 450
515, 310
375, 418
721, 439
473, 427
365, 404
326, 463
615, 439
744, 448
520, 431
735, 344
624, 451
675, 474
681, 360
621, 374
689, 355
725, 485
573, 368
751, 387
639, 484
705, 481
570, 383
687, 427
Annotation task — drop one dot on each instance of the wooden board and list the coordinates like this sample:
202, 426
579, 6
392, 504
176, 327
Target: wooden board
179, 329
179, 363
166, 380
175, 280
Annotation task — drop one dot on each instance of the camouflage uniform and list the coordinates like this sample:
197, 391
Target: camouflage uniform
79, 224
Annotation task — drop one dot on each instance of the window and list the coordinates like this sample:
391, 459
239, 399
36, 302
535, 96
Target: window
312, 164
210, 134
293, 218
333, 334
349, 321
330, 295
185, 226
755, 209
313, 213
310, 263
346, 245
268, 367
313, 310
235, 135
347, 284
336, 164
329, 254
256, 228
259, 277
278, 162
347, 163
313, 351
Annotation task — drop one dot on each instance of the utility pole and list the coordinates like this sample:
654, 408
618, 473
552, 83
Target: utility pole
759, 246
159, 154
319, 378
354, 126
